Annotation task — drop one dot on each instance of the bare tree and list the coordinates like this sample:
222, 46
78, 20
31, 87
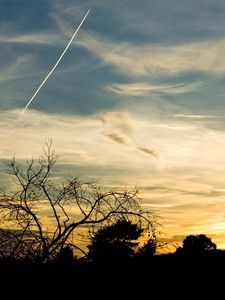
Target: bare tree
41, 218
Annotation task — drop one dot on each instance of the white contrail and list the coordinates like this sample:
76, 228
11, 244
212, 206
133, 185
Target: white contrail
56, 64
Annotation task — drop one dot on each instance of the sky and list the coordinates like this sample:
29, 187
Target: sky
138, 100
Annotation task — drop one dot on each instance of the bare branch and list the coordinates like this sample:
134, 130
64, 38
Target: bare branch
74, 205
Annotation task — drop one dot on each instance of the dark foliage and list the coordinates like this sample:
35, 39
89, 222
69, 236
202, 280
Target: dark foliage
118, 243
114, 243
196, 245
65, 256
148, 249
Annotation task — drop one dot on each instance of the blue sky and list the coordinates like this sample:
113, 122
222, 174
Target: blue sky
137, 99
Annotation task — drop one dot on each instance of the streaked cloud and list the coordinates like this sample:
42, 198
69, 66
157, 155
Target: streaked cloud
175, 126
116, 137
67, 15
125, 126
117, 119
149, 151
220, 190
88, 152
139, 89
89, 131
192, 116
16, 68
48, 38
158, 205
155, 60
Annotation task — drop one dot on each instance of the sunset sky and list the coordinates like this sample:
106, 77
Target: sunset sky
138, 100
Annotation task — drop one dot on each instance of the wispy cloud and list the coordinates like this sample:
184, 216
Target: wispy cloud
66, 15
150, 59
192, 116
16, 68
89, 144
120, 139
122, 127
172, 126
154, 205
48, 38
117, 119
179, 149
221, 190
149, 151
143, 88
116, 137
141, 145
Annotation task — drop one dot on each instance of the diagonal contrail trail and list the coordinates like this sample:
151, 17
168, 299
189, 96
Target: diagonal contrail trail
56, 64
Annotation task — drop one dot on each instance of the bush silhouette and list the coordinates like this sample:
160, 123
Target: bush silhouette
196, 245
148, 249
114, 243
119, 242
65, 256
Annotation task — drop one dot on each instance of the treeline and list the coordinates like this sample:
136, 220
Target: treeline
116, 244
41, 221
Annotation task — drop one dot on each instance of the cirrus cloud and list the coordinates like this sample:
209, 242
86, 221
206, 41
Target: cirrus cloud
143, 88
150, 59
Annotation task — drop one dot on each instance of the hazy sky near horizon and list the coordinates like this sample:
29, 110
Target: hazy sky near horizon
138, 99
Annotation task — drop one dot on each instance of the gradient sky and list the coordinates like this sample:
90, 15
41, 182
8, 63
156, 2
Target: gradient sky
137, 100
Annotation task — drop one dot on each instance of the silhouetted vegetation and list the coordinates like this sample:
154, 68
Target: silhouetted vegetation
117, 243
148, 249
196, 245
42, 218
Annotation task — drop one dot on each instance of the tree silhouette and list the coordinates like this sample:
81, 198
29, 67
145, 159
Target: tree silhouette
41, 217
119, 243
65, 256
115, 242
148, 249
196, 245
